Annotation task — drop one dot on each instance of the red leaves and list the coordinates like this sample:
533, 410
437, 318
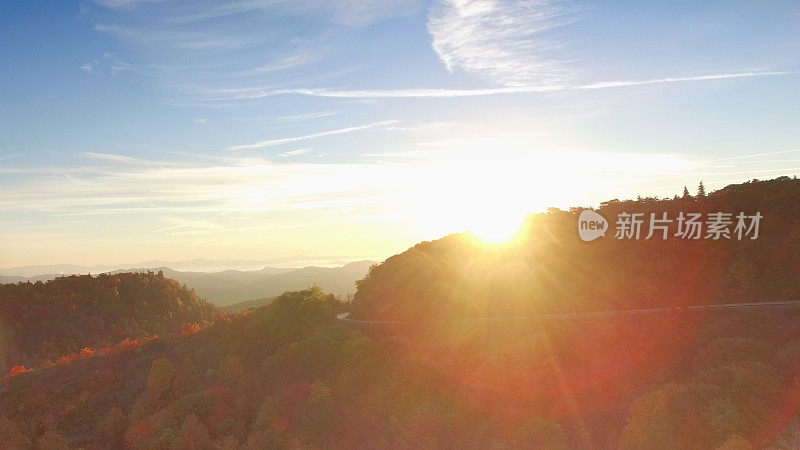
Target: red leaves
126, 345
190, 328
85, 352
67, 358
16, 370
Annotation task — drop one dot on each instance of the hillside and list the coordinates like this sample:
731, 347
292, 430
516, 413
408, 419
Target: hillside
40, 322
245, 305
227, 287
289, 376
548, 269
232, 286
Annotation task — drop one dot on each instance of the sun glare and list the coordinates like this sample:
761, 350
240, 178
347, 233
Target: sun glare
495, 231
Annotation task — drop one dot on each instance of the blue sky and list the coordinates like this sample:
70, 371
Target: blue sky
316, 131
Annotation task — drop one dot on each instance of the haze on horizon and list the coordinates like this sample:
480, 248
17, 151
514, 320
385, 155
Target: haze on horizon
134, 130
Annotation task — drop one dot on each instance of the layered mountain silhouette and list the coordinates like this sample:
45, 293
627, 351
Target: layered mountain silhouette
227, 287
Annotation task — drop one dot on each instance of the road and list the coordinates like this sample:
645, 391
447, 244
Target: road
345, 317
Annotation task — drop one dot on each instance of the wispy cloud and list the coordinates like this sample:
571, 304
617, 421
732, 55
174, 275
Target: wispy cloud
352, 13
274, 142
107, 62
122, 4
308, 116
116, 159
183, 224
250, 93
183, 40
717, 76
284, 63
299, 151
111, 157
505, 42
753, 155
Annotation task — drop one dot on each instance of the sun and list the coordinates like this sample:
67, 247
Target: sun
495, 229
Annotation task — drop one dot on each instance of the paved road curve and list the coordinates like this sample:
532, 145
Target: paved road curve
345, 317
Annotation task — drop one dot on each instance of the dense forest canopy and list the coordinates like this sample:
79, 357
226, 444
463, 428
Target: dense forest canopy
548, 269
40, 322
288, 375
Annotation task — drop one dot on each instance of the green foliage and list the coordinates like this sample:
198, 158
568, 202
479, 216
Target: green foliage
318, 416
294, 314
198, 404
159, 382
42, 321
193, 435
231, 369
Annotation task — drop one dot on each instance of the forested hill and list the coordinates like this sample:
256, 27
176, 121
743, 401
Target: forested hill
40, 322
548, 269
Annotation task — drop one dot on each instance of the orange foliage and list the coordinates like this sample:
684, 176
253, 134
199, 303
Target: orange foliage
67, 358
138, 435
190, 328
85, 352
278, 426
124, 345
16, 370
127, 345
224, 399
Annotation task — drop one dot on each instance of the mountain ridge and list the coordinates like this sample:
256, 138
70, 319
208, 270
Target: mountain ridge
229, 287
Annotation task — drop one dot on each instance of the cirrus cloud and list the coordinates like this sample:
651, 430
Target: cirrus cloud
503, 41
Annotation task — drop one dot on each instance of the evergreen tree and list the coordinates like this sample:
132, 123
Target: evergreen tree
686, 193
701, 190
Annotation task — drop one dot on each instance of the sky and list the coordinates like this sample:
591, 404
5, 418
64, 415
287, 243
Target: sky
319, 132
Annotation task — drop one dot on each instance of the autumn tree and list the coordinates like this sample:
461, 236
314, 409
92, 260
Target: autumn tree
736, 443
113, 426
193, 435
318, 415
16, 370
11, 437
267, 413
52, 440
650, 422
231, 369
158, 388
228, 442
541, 433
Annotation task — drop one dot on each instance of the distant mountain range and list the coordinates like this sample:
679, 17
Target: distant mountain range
224, 287
190, 265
